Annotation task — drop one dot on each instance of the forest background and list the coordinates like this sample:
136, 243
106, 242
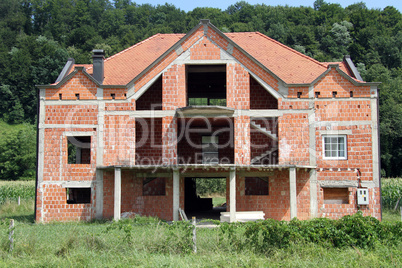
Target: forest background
38, 36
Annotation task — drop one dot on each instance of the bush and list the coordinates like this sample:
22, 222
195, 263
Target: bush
349, 231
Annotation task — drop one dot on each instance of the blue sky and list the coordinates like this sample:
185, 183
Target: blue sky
188, 5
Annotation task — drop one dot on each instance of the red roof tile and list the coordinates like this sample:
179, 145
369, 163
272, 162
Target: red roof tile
288, 64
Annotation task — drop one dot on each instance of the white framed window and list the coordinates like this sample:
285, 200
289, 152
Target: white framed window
334, 147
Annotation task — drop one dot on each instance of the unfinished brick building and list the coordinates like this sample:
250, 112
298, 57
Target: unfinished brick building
293, 137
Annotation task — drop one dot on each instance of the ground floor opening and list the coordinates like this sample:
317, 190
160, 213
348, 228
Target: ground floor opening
204, 198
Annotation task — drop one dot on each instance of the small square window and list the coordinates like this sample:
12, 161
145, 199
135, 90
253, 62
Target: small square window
154, 186
79, 149
334, 147
78, 195
256, 186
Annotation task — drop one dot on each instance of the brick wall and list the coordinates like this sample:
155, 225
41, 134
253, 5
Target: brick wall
152, 98
242, 140
71, 114
333, 81
169, 140
174, 88
293, 133
79, 84
260, 98
55, 207
276, 205
133, 200
119, 140
205, 50
148, 144
238, 87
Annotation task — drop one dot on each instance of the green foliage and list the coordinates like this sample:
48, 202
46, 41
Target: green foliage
391, 193
210, 186
13, 190
18, 154
349, 231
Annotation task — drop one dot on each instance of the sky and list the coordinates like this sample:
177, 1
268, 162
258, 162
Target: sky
188, 5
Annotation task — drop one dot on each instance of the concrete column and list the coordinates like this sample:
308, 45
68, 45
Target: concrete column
293, 193
117, 193
99, 194
232, 194
176, 194
313, 193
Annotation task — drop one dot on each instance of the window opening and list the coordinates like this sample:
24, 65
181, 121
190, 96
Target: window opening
60, 96
334, 93
154, 186
336, 196
113, 96
351, 94
78, 195
317, 94
77, 96
206, 85
299, 95
79, 149
256, 186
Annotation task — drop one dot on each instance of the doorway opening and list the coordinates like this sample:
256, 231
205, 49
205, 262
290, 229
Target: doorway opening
204, 198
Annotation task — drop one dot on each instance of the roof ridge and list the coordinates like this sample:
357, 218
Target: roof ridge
292, 50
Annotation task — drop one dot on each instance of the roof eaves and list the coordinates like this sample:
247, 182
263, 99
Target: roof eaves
68, 77
345, 75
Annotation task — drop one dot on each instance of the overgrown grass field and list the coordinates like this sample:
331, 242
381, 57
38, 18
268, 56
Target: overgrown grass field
354, 241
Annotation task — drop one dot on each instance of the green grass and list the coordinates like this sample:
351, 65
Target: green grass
147, 243
97, 245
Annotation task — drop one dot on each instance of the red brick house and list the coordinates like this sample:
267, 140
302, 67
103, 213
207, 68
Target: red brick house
293, 137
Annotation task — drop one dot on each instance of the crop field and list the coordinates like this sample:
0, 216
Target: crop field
352, 241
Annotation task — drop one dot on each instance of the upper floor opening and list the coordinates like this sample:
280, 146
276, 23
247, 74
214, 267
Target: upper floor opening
206, 85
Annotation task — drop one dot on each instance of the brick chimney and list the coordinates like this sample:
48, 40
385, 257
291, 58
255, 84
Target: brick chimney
98, 57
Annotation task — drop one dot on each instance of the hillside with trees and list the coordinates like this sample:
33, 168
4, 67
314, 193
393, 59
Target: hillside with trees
38, 36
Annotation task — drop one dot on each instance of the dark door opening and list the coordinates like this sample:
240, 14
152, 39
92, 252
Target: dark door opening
204, 198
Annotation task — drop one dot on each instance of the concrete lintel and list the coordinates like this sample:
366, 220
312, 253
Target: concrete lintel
293, 193
46, 126
176, 194
153, 175
232, 194
81, 102
117, 193
144, 114
77, 184
338, 184
336, 132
